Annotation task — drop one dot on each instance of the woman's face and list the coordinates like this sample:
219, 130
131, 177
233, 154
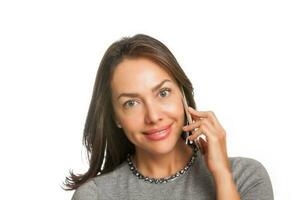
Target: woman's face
147, 103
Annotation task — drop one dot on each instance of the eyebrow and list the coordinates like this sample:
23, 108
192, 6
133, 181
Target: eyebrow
136, 94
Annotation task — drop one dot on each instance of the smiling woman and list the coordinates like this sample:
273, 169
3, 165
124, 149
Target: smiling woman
135, 131
147, 104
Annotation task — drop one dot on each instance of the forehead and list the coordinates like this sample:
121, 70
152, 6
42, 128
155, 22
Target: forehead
135, 75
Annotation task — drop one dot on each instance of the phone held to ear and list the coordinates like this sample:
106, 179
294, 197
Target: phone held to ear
189, 121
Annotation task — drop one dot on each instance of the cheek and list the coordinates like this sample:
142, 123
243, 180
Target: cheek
131, 125
175, 109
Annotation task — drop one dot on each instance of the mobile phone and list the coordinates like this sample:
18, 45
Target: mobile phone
189, 120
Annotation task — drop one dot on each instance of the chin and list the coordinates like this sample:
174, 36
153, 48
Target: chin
162, 148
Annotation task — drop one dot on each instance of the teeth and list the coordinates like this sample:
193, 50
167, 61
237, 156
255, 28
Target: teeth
160, 132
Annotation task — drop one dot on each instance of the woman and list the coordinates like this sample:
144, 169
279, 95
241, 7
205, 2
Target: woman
134, 135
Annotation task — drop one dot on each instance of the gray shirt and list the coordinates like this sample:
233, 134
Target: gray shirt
250, 176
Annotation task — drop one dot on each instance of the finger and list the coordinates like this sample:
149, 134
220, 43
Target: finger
205, 114
205, 129
198, 114
196, 124
197, 133
192, 126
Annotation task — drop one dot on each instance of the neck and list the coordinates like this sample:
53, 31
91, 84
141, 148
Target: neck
159, 166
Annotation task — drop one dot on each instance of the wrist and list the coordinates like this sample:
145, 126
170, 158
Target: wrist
225, 186
222, 176
221, 170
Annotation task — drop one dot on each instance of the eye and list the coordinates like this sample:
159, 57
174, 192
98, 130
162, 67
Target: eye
129, 104
164, 92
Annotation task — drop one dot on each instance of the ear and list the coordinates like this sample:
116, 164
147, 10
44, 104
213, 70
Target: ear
118, 124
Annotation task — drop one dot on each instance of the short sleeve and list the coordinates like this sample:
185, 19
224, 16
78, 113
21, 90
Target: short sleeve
87, 191
252, 179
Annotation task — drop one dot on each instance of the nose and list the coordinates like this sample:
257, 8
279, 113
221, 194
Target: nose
152, 113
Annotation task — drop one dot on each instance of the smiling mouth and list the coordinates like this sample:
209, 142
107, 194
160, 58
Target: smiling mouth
159, 134
158, 130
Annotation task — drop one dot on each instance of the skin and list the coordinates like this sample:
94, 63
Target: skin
151, 109
214, 151
154, 109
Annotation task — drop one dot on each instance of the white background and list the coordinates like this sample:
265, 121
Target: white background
242, 57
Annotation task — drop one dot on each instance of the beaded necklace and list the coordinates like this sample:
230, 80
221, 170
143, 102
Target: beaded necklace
165, 179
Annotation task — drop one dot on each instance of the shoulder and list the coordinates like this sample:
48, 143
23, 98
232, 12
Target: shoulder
243, 163
112, 178
247, 169
101, 185
251, 177
243, 166
87, 191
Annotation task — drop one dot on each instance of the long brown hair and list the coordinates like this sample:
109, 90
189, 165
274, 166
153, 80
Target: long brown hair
107, 145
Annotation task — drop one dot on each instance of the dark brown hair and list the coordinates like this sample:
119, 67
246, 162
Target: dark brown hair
107, 145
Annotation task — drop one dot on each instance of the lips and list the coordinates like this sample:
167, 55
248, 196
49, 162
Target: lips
158, 134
